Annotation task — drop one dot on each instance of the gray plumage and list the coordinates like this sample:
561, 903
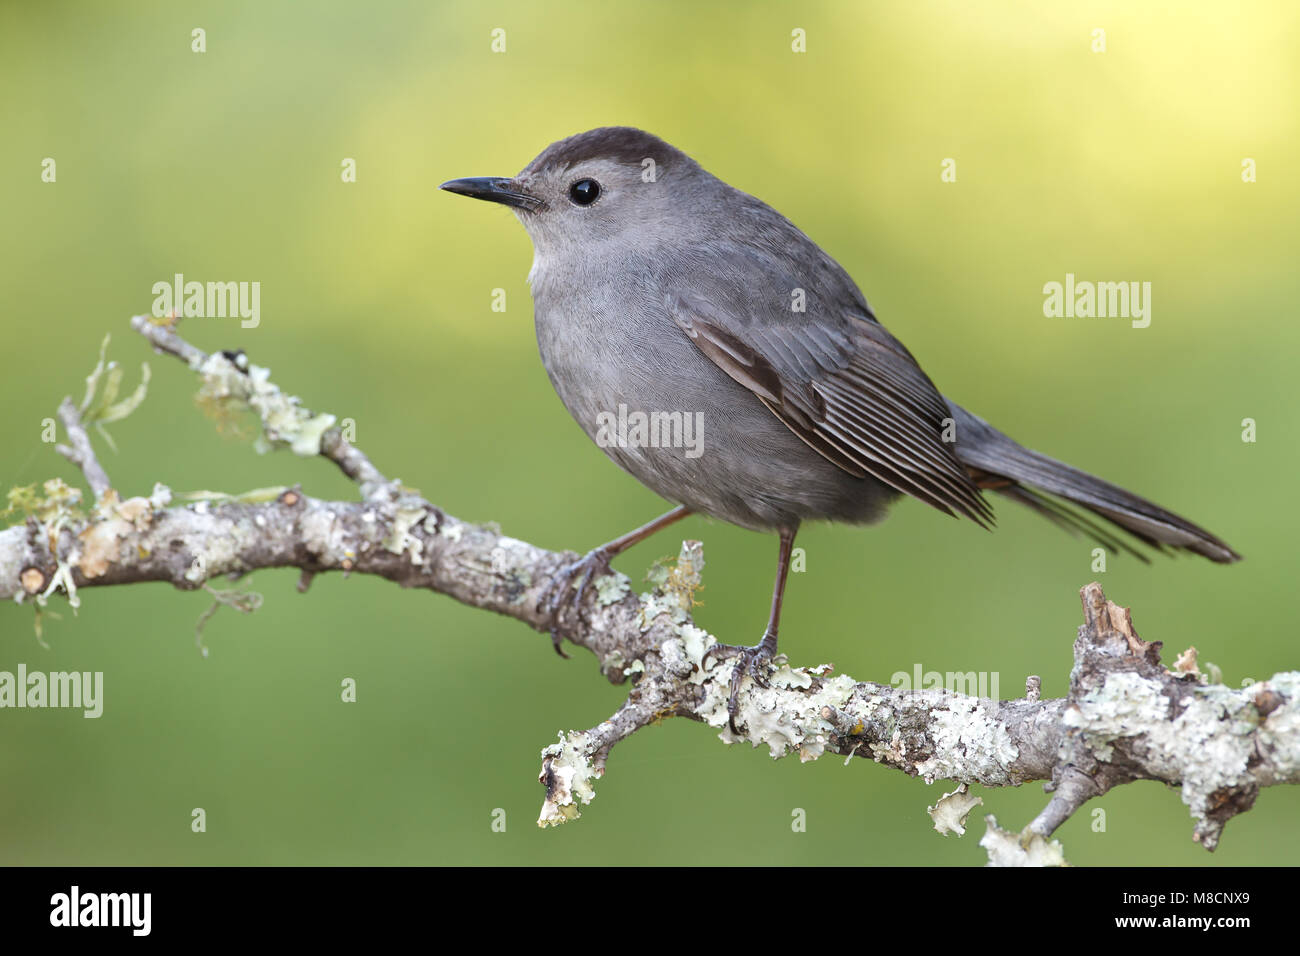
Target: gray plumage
672, 292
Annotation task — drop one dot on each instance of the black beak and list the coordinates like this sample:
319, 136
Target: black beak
493, 189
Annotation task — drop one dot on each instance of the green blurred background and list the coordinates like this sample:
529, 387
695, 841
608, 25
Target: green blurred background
1122, 165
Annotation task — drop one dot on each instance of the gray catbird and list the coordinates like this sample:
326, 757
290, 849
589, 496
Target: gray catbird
730, 365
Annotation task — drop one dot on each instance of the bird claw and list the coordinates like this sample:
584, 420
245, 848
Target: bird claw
552, 600
754, 662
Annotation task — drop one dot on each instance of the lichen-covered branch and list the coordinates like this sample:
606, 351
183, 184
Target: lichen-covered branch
1126, 717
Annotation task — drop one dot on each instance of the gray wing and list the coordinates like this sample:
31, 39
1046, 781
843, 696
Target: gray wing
832, 374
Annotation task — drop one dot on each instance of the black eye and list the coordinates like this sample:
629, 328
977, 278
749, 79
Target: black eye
584, 191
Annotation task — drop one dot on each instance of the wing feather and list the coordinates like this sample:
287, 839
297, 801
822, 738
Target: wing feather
850, 391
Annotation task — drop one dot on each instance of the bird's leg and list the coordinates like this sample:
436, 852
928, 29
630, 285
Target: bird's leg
586, 567
755, 660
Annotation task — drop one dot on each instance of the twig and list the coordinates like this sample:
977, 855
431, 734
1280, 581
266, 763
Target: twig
81, 453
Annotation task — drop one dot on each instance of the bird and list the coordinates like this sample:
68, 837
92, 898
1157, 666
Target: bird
660, 290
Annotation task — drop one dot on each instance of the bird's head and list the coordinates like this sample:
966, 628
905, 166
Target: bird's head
598, 186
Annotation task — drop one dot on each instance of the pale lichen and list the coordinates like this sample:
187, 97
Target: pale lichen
1207, 746
1279, 729
611, 588
235, 384
694, 642
56, 510
1024, 849
774, 717
399, 539
567, 772
950, 813
114, 521
101, 406
969, 741
324, 537
674, 587
58, 507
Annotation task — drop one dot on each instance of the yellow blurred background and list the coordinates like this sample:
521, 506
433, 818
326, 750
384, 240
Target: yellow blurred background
376, 305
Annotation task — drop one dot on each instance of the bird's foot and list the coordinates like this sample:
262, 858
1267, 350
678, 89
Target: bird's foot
754, 661
575, 576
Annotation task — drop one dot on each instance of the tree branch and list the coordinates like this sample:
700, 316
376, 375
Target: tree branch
1126, 717
81, 453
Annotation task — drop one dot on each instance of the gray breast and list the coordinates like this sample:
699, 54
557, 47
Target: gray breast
667, 415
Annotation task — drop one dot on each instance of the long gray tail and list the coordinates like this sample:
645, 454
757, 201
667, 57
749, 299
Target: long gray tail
999, 464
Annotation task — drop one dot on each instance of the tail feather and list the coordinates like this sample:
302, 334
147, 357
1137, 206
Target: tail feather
1072, 521
1002, 465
